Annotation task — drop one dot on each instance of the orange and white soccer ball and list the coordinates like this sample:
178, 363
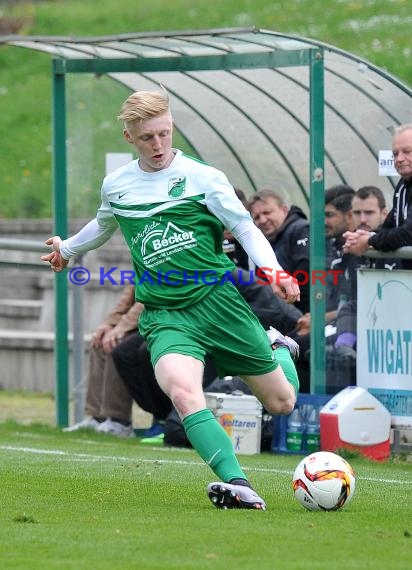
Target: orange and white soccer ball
323, 481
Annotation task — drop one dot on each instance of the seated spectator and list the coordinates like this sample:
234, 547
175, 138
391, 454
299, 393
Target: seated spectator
368, 209
108, 405
368, 212
287, 229
396, 230
338, 219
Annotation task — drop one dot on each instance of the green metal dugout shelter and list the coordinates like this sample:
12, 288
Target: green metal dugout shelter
269, 109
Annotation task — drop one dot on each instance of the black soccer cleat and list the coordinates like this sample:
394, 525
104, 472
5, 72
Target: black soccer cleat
229, 496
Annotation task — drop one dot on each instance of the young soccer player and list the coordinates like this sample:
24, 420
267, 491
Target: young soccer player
172, 210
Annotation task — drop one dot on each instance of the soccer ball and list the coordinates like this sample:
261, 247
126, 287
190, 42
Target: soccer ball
323, 481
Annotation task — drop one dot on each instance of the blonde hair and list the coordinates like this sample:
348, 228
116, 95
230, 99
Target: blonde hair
143, 105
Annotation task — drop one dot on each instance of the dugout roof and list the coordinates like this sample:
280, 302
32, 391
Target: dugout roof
241, 99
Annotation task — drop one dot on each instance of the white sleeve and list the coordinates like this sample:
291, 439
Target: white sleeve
91, 236
222, 201
256, 245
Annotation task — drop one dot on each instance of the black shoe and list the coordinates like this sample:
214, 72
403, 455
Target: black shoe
229, 496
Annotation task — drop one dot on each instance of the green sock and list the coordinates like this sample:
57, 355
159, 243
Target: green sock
213, 445
284, 358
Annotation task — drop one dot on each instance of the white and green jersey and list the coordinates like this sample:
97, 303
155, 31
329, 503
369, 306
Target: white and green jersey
173, 221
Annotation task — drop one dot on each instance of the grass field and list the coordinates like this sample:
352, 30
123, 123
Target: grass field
73, 501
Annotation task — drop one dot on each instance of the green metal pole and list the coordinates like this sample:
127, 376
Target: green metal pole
317, 224
60, 228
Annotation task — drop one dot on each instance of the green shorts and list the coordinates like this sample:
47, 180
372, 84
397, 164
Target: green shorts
220, 325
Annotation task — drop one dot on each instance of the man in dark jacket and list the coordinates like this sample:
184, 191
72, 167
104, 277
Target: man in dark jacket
287, 229
396, 230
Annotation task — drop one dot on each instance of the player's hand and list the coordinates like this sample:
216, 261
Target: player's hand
286, 287
57, 262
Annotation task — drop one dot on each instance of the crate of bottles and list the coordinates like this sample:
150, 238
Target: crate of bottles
299, 432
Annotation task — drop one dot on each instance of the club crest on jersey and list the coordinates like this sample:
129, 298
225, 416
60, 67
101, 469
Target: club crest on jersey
177, 186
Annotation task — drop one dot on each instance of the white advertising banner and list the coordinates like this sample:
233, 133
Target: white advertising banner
384, 343
386, 164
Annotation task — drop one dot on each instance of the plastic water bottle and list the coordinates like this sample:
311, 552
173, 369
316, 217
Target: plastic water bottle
294, 432
313, 431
